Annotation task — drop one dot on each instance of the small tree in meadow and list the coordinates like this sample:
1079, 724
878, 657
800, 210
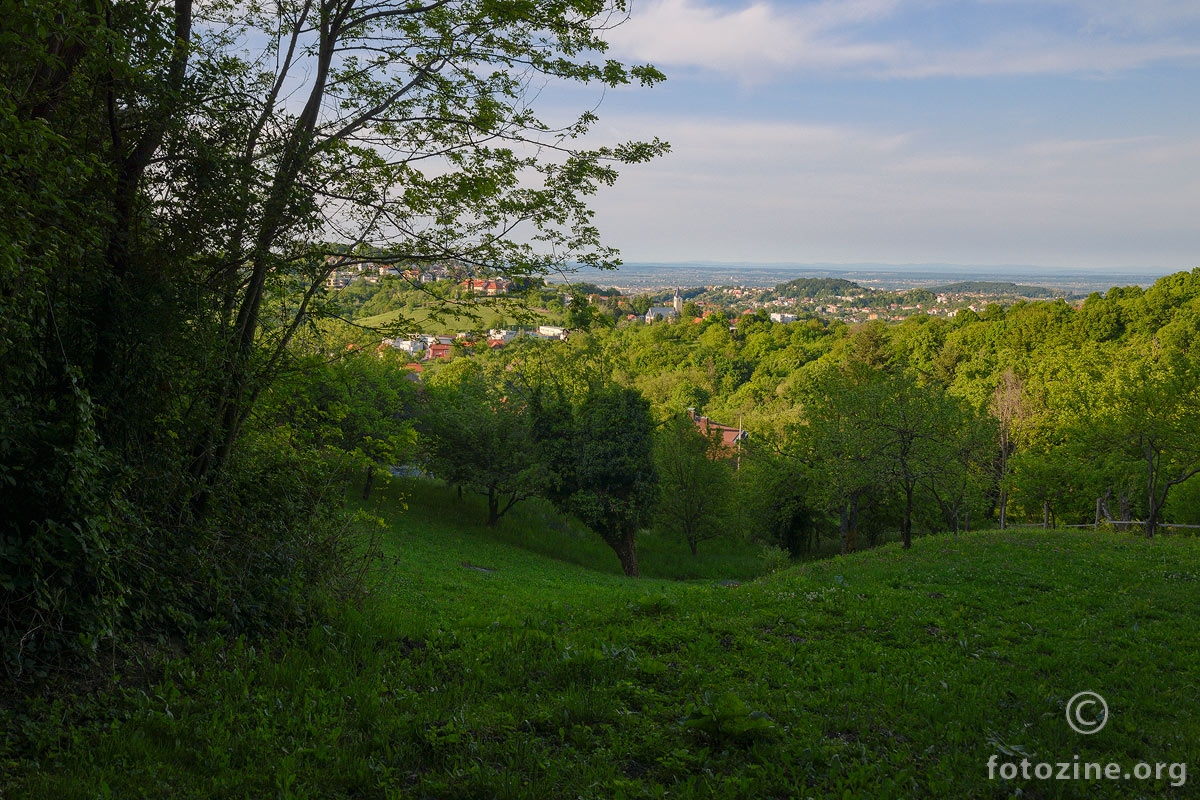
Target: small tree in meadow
477, 436
603, 467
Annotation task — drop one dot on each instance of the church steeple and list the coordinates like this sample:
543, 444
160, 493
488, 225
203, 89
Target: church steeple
678, 303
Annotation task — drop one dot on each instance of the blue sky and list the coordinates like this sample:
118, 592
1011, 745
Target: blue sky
1060, 133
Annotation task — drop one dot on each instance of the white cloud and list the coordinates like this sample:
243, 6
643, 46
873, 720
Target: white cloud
1059, 148
942, 164
757, 41
1045, 57
752, 41
1127, 16
807, 193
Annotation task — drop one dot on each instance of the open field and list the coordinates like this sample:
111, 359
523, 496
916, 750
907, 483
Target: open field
485, 319
481, 668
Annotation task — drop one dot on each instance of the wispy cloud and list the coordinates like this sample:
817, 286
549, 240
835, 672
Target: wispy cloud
1060, 148
1126, 16
760, 41
794, 192
753, 40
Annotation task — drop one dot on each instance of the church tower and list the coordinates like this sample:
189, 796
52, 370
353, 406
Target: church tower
678, 303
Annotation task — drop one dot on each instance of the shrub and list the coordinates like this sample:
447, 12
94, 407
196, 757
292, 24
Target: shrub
774, 558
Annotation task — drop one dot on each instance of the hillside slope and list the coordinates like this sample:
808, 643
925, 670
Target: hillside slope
483, 670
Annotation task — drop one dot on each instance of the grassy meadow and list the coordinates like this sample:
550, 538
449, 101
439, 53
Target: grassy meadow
517, 662
483, 318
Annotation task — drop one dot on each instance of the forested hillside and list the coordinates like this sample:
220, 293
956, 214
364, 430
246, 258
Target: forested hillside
181, 181
819, 288
1045, 412
995, 287
1053, 405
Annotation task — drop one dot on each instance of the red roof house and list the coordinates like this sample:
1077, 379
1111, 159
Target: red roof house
730, 436
441, 351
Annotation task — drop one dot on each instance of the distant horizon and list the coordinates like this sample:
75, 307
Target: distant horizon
852, 266
657, 275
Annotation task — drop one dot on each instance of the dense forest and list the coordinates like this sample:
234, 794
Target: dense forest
173, 428
1044, 412
995, 287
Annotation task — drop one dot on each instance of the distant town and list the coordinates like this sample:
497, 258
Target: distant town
377, 287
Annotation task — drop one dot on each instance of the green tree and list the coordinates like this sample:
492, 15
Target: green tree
443, 85
641, 304
607, 475
875, 430
359, 408
959, 475
478, 435
780, 493
181, 179
841, 441
1007, 409
914, 433
1063, 465
695, 484
1148, 416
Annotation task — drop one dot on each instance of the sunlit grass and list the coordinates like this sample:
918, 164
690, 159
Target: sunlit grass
485, 318
483, 669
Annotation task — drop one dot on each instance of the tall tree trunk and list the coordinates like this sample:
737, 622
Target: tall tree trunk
493, 507
239, 390
1003, 508
848, 526
627, 552
368, 483
906, 523
852, 526
844, 528
1153, 507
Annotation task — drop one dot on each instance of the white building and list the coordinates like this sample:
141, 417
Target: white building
673, 311
505, 336
411, 345
783, 318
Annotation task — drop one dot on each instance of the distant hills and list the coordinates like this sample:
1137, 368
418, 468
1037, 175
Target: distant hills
634, 277
995, 287
827, 288
820, 288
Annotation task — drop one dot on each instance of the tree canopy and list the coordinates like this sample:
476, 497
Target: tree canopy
181, 180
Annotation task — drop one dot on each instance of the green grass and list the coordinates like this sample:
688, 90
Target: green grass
486, 318
534, 525
883, 674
